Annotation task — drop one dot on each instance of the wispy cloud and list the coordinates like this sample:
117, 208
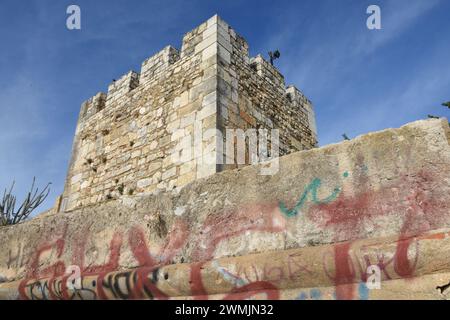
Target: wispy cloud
397, 17
344, 39
347, 70
28, 141
359, 80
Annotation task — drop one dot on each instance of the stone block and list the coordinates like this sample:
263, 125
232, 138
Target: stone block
169, 173
144, 183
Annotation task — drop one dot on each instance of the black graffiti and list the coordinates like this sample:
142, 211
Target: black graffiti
114, 283
36, 288
40, 290
131, 284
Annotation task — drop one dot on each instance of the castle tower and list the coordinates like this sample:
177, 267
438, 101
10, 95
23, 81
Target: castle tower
127, 140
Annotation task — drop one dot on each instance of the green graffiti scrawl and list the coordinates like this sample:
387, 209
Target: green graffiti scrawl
311, 188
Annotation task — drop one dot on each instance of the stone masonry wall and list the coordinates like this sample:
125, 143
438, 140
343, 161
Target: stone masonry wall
125, 138
306, 232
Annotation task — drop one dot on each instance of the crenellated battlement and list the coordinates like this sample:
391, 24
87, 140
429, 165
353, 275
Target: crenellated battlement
296, 96
93, 105
158, 63
116, 90
264, 69
126, 138
212, 38
150, 70
125, 84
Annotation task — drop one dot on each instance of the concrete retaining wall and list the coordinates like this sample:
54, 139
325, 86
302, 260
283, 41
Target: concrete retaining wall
390, 188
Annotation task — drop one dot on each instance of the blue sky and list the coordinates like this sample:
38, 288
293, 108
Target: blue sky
359, 80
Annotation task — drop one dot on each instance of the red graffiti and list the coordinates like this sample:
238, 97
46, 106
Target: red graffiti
175, 240
348, 216
344, 271
217, 228
220, 227
148, 262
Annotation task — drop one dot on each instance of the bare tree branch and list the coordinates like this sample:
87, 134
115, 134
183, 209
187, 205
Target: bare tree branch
9, 215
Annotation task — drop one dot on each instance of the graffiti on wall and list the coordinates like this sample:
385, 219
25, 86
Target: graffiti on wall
343, 265
311, 191
231, 278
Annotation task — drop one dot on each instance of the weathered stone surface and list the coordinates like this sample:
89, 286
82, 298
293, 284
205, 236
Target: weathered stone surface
210, 83
322, 272
390, 188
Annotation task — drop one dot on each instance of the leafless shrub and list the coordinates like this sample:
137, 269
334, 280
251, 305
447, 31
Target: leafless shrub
9, 215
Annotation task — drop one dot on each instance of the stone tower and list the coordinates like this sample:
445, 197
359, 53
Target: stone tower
125, 139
